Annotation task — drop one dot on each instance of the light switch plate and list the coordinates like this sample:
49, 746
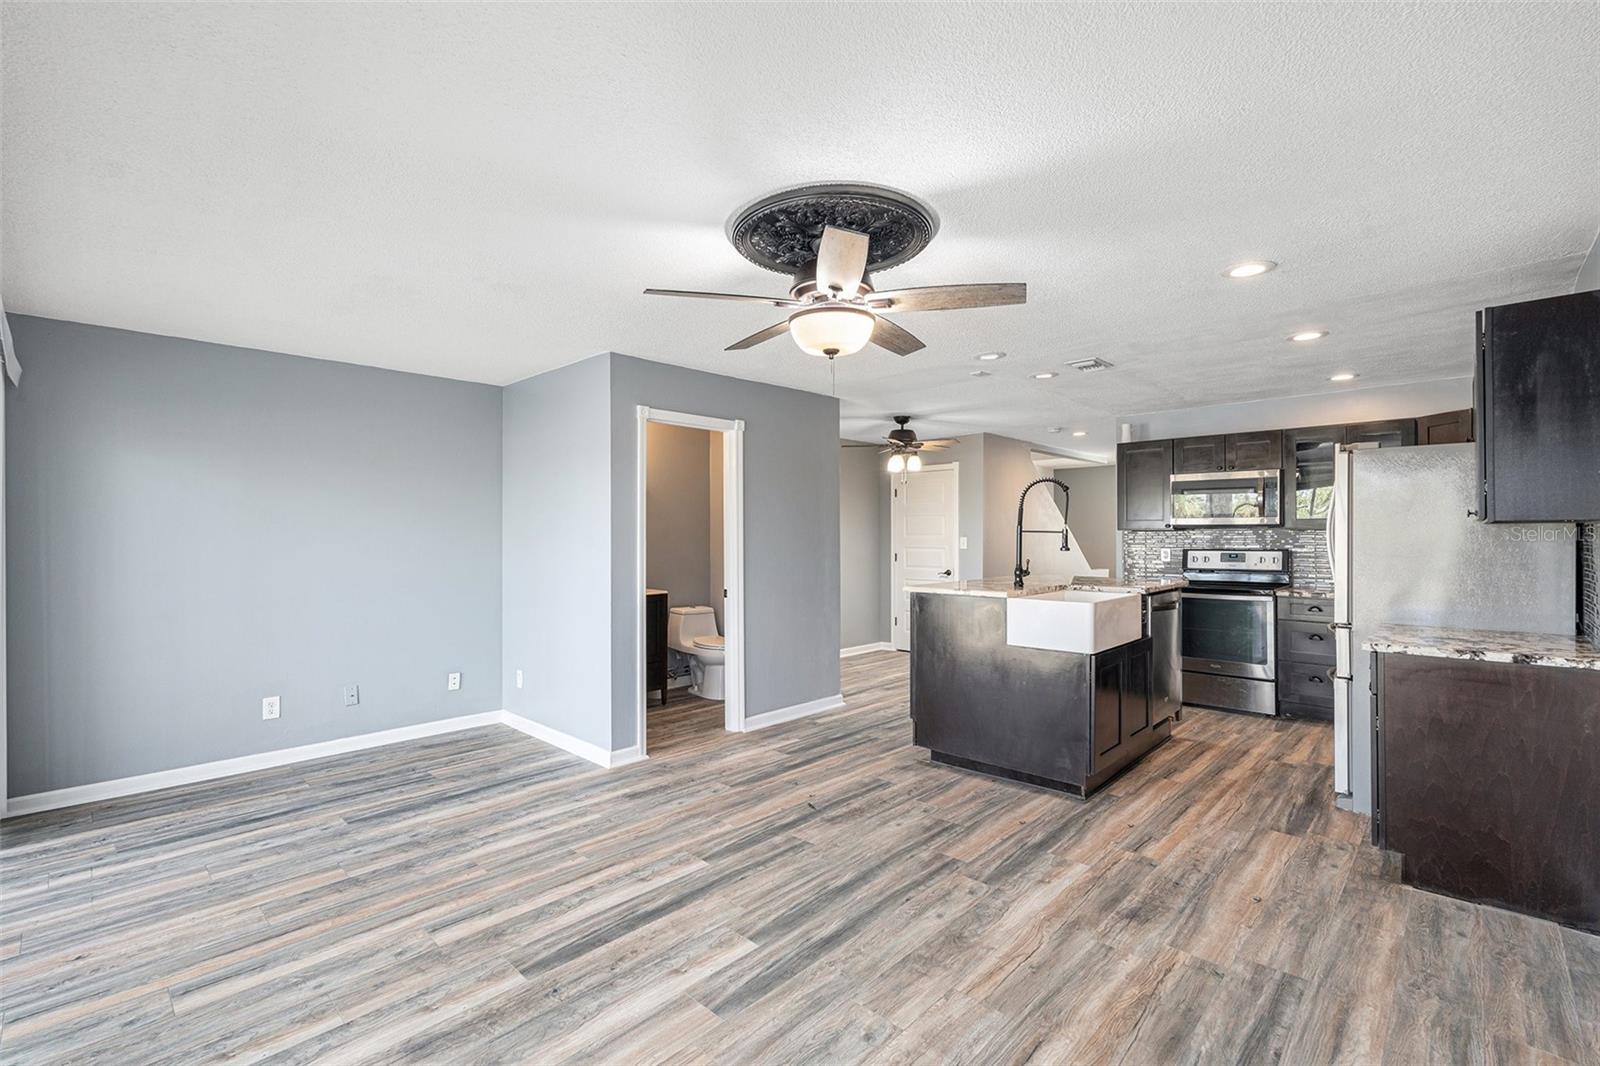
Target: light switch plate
1166, 555
963, 543
519, 678
269, 708
453, 683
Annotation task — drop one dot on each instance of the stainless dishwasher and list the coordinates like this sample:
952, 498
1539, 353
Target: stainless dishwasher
1162, 624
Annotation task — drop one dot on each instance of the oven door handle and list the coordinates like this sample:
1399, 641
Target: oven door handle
1263, 595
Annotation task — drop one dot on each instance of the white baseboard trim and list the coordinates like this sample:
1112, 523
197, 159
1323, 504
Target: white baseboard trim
583, 749
865, 649
789, 714
267, 760
244, 764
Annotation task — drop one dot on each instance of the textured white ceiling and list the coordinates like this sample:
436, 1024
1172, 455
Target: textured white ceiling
481, 191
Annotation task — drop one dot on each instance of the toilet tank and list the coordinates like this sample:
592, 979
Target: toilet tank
686, 623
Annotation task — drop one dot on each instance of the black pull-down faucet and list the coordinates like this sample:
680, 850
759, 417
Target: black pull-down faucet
1022, 571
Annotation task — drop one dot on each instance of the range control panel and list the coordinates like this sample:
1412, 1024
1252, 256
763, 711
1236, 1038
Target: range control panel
1226, 559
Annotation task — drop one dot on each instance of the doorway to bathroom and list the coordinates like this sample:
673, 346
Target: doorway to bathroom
689, 565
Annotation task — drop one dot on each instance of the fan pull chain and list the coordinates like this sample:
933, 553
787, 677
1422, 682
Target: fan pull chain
833, 378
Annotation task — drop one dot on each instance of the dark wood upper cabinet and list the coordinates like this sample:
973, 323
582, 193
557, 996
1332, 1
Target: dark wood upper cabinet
1233, 451
1390, 433
1451, 427
1197, 455
1537, 391
1308, 475
1254, 451
1144, 485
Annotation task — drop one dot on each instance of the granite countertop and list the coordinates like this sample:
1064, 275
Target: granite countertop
1150, 587
1296, 590
1483, 645
990, 586
1002, 587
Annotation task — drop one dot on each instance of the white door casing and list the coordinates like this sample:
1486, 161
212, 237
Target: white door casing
924, 539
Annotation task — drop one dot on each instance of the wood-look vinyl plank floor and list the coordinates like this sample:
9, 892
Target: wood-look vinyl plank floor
814, 892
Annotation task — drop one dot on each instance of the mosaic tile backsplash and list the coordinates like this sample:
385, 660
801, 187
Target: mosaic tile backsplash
1141, 552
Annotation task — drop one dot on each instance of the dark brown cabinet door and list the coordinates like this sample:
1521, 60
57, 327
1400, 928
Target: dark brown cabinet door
1538, 390
1136, 690
1254, 451
1144, 485
1198, 455
1108, 735
1451, 427
1308, 475
1391, 433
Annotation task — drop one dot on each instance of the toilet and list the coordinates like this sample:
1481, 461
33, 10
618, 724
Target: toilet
693, 631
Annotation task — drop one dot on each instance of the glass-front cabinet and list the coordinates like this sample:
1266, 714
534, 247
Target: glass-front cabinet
1308, 475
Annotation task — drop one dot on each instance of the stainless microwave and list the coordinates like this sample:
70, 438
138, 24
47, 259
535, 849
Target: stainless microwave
1227, 498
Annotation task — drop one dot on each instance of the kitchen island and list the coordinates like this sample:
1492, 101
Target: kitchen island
1063, 719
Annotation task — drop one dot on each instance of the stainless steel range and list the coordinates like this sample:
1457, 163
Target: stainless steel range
1230, 618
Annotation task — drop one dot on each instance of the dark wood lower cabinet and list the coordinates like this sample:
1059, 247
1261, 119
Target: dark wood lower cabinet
1489, 782
1053, 718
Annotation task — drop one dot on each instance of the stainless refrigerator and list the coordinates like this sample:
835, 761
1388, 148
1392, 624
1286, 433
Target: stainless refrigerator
1406, 547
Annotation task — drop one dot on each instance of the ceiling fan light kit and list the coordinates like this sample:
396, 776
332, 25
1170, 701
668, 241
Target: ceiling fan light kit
829, 330
827, 237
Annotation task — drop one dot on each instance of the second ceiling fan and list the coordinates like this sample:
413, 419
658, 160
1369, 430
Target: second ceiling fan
829, 236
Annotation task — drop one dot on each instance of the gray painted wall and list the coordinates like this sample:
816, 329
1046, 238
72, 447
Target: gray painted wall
678, 498
791, 505
192, 527
1007, 469
556, 560
863, 547
1093, 512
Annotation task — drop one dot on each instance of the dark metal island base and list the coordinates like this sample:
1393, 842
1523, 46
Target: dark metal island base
1053, 718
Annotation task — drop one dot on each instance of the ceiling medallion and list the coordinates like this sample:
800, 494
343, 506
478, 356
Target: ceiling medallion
780, 231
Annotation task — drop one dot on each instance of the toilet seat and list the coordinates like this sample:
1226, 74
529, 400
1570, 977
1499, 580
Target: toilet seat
715, 643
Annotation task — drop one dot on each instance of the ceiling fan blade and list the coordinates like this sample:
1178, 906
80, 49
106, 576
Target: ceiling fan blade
777, 329
857, 444
841, 261
950, 297
775, 301
941, 442
886, 334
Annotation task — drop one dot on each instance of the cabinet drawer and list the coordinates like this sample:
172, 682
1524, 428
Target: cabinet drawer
1304, 683
1305, 607
1307, 642
1321, 712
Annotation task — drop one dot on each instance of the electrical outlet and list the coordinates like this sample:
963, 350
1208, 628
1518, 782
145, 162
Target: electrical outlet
352, 695
269, 708
453, 683
963, 543
519, 678
1166, 555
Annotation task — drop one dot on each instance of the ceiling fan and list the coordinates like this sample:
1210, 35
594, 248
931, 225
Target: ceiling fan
903, 447
828, 236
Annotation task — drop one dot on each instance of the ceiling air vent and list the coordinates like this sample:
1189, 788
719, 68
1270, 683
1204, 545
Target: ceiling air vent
1089, 366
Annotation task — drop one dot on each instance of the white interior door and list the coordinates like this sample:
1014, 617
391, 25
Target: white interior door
924, 520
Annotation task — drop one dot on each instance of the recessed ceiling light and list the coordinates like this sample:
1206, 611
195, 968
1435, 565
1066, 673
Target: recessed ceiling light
1080, 433
979, 373
1250, 268
1308, 335
1052, 429
989, 357
1044, 375
1343, 375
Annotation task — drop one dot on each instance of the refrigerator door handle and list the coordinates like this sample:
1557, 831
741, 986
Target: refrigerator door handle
1341, 707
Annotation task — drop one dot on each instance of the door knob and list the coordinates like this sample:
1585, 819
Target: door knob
944, 573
